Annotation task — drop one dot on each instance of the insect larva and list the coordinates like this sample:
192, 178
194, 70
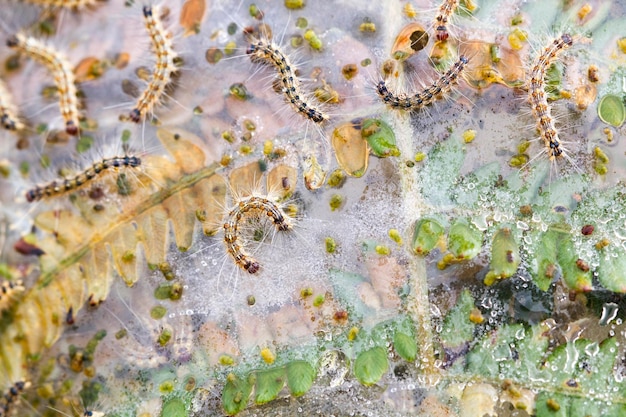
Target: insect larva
58, 187
8, 289
61, 71
424, 98
538, 99
245, 207
163, 68
269, 53
441, 20
8, 112
11, 397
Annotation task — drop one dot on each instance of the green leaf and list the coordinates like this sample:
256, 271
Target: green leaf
371, 365
380, 138
236, 394
300, 377
440, 171
544, 263
405, 346
611, 110
505, 257
457, 327
611, 271
268, 384
575, 275
426, 235
174, 407
464, 240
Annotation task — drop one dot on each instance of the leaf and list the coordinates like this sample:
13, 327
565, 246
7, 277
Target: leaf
405, 346
371, 365
300, 377
268, 384
457, 327
174, 407
236, 394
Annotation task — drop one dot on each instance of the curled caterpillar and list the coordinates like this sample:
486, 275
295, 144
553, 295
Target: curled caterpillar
8, 112
537, 96
426, 97
245, 207
58, 187
164, 66
269, 53
60, 69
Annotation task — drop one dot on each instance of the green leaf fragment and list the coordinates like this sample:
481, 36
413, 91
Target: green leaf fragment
457, 327
174, 407
611, 110
380, 138
300, 377
426, 236
405, 346
268, 384
576, 274
371, 365
464, 240
235, 394
505, 256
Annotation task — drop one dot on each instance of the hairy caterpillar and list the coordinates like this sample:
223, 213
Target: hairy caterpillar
426, 97
62, 72
269, 53
58, 187
446, 9
11, 397
245, 207
8, 112
537, 96
163, 68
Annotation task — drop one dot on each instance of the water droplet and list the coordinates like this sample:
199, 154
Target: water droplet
609, 312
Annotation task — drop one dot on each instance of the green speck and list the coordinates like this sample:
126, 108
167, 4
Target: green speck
251, 300
382, 250
301, 23
84, 144
336, 201
165, 387
165, 336
126, 135
420, 156
318, 301
295, 4
517, 20
306, 292
232, 28
128, 256
366, 62
121, 334
158, 312
314, 41
394, 234
24, 168
238, 91
296, 41
331, 245
44, 161
228, 136
123, 185
337, 178
226, 360
230, 48
611, 110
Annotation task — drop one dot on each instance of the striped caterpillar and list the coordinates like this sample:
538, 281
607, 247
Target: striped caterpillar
58, 187
426, 97
7, 290
8, 112
269, 53
163, 68
446, 10
62, 72
538, 99
245, 207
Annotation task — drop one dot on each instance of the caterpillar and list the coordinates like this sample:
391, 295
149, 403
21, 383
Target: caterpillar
243, 208
426, 97
537, 96
62, 72
163, 68
11, 397
441, 20
269, 53
8, 289
58, 187
8, 112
